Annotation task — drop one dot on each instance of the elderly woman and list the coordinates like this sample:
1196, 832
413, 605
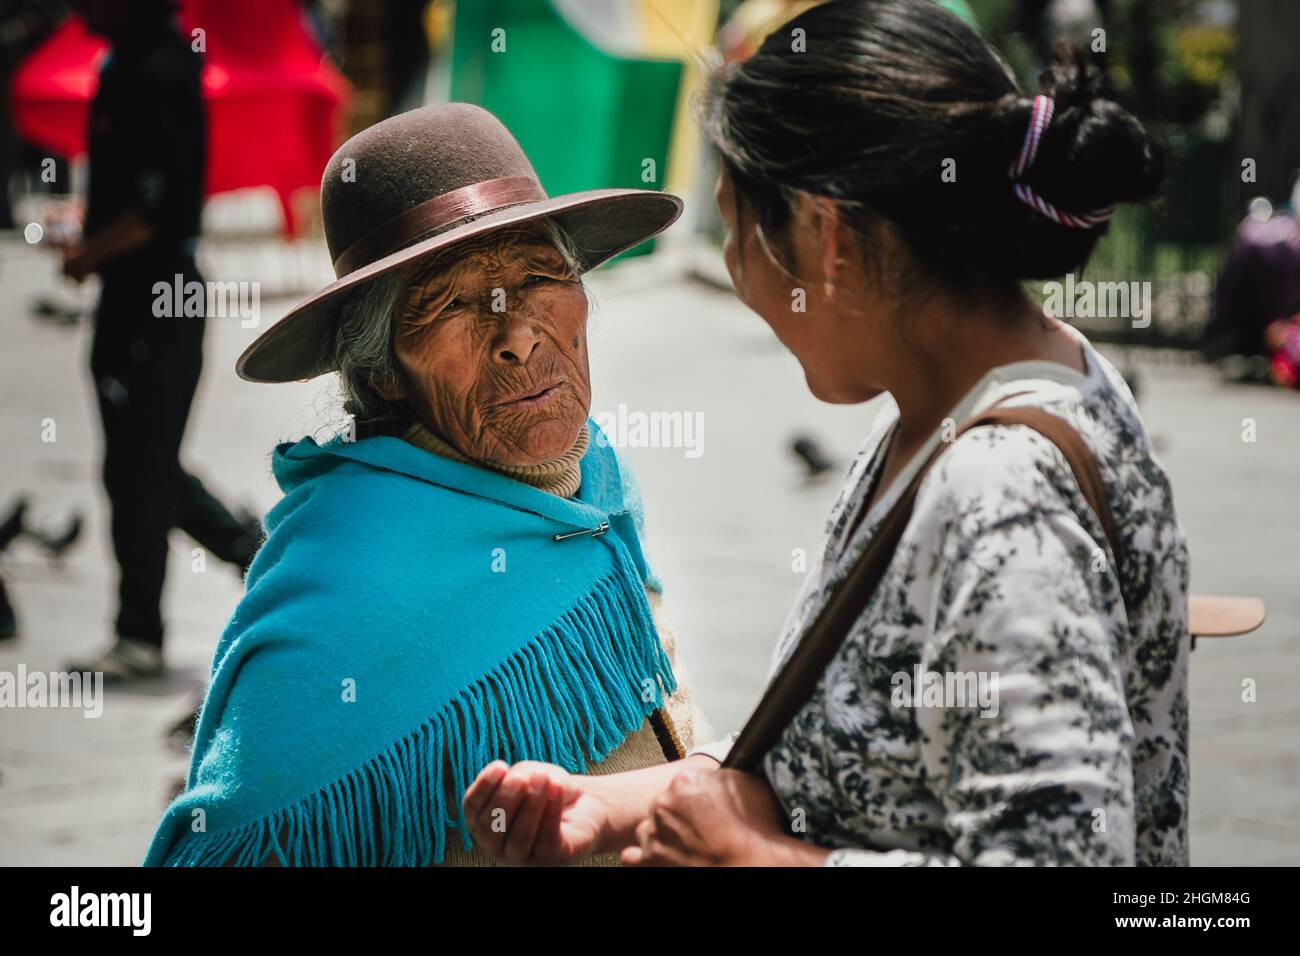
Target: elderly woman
460, 578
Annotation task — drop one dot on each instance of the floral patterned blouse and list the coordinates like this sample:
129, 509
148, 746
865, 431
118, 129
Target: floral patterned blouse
1000, 701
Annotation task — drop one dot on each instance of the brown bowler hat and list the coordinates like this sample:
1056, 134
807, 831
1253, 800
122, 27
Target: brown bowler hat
415, 184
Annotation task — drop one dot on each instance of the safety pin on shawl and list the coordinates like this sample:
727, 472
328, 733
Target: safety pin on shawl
595, 532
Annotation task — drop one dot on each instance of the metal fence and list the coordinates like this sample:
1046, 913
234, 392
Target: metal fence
1178, 244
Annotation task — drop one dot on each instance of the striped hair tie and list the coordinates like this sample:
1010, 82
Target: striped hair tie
1039, 118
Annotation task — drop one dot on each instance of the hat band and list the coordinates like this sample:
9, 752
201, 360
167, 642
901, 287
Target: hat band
445, 210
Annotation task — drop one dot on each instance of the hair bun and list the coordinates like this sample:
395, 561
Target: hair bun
1072, 79
1095, 153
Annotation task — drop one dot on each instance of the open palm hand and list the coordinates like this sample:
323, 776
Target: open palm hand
534, 813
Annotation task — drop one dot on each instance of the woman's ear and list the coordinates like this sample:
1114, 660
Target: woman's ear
830, 228
818, 242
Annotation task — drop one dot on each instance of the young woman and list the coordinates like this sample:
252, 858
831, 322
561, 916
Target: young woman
879, 160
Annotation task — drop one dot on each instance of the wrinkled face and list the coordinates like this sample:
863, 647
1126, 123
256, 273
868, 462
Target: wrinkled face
493, 349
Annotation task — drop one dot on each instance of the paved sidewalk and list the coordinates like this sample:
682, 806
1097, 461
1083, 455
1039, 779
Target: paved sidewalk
722, 530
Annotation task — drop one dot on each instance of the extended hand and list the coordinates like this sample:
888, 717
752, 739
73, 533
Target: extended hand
534, 813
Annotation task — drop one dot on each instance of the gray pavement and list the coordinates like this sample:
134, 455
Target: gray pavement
723, 528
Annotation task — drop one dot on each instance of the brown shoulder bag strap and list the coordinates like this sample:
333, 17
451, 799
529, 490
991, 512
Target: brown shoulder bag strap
794, 683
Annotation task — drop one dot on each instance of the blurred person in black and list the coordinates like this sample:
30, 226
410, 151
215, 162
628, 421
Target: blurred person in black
147, 150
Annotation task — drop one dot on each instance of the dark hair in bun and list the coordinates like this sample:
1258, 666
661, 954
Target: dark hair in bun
883, 94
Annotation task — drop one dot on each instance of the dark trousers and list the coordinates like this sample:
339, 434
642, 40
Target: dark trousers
145, 370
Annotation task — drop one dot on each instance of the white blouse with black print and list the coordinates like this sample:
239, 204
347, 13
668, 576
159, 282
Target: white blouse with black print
1071, 747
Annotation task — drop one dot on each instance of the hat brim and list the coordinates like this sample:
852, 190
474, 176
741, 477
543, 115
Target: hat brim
600, 223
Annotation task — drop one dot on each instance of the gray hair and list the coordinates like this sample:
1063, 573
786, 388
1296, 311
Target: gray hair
363, 343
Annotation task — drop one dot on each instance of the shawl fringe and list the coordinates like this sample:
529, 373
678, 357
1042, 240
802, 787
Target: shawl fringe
570, 695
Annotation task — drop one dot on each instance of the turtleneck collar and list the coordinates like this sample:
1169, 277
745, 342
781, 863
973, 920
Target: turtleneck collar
560, 476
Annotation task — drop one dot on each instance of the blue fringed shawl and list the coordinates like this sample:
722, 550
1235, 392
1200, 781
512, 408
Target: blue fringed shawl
378, 661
